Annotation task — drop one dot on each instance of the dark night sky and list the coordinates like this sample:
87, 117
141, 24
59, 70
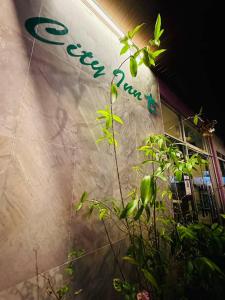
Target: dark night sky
195, 55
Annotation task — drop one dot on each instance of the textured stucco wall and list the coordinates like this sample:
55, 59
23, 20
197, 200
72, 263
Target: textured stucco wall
48, 154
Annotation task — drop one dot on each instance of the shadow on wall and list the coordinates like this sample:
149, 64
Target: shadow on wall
46, 130
93, 275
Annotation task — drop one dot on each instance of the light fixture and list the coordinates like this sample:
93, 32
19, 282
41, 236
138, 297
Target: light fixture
94, 7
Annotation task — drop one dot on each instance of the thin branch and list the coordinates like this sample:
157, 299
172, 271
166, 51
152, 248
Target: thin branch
109, 208
113, 251
37, 275
113, 133
51, 286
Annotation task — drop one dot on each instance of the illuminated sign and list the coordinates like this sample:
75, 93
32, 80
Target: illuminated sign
86, 58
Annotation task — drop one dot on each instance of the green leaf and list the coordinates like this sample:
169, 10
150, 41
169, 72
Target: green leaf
100, 139
103, 214
137, 53
160, 143
161, 176
63, 291
117, 119
139, 213
105, 113
148, 160
131, 260
132, 33
124, 49
69, 270
124, 39
150, 278
215, 226
84, 197
185, 233
157, 31
133, 66
117, 284
129, 209
195, 120
146, 189
210, 264
146, 58
156, 53
114, 92
152, 61
100, 118
108, 122
222, 215
189, 166
81, 202
78, 292
154, 42
178, 175
116, 208
161, 32
76, 253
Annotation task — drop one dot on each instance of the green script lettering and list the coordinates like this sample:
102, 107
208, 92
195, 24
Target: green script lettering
127, 88
86, 54
71, 47
135, 93
119, 72
151, 104
99, 69
31, 24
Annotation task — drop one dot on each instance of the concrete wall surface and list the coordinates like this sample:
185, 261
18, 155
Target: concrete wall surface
48, 153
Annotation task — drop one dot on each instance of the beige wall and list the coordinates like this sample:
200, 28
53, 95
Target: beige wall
48, 154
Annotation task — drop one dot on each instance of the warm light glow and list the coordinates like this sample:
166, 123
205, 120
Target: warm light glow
91, 4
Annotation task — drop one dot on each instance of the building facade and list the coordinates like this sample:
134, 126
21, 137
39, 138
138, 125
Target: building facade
57, 60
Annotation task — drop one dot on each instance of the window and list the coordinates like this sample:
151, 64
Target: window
171, 122
193, 198
221, 159
203, 192
192, 136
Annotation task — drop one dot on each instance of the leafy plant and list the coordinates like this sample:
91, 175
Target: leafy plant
66, 289
138, 56
109, 118
143, 217
170, 260
200, 251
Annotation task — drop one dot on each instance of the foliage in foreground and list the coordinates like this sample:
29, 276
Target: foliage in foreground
170, 260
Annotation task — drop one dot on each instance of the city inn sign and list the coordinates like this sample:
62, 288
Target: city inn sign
86, 58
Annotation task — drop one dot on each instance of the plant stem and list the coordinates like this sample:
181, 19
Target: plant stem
119, 180
154, 221
114, 146
51, 286
37, 275
115, 152
113, 251
112, 212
